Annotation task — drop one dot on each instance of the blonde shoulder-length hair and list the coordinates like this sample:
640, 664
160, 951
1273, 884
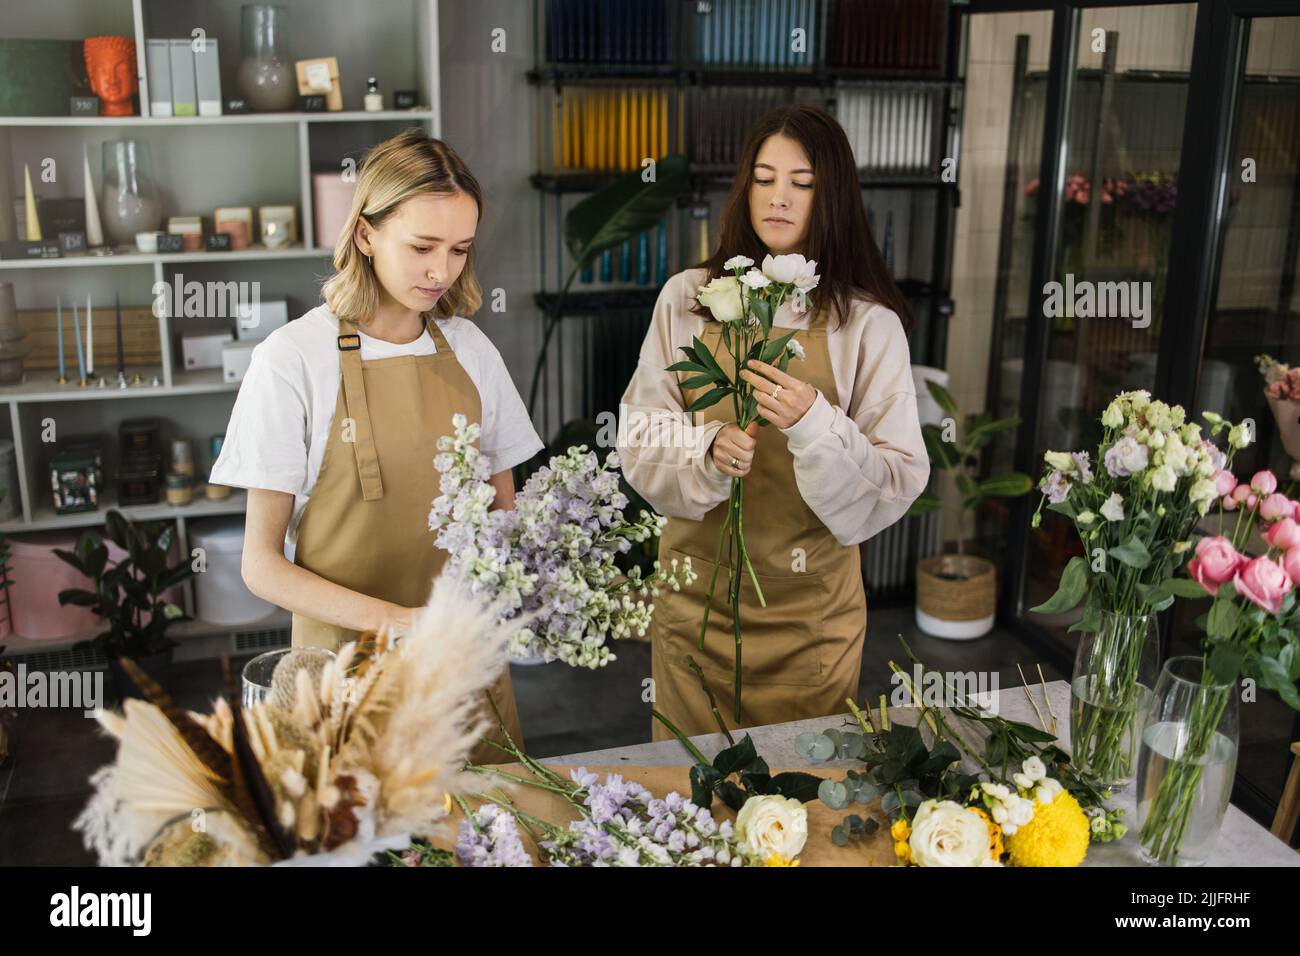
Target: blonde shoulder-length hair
410, 164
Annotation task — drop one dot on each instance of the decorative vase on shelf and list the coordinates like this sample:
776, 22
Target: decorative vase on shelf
129, 203
1115, 668
1186, 764
266, 77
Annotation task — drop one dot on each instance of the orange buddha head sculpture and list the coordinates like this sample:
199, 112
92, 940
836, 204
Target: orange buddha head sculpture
110, 64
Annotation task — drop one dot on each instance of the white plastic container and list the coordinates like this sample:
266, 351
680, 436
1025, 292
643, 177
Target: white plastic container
220, 595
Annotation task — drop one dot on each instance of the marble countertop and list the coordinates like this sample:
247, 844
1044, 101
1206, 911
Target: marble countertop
1242, 841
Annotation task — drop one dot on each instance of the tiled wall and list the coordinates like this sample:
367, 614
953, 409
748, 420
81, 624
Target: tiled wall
1150, 38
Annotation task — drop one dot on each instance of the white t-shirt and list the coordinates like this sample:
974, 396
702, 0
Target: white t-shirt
281, 420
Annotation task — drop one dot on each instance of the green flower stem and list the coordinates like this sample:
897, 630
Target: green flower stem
685, 741
1103, 733
713, 578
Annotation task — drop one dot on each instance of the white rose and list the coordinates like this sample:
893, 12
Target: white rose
722, 298
772, 824
755, 279
738, 262
1113, 508
945, 833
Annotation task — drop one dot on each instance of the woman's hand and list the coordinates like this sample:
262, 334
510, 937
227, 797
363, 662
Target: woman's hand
733, 449
782, 398
397, 620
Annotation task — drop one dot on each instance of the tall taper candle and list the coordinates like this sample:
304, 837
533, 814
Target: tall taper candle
29, 207
121, 360
59, 321
90, 340
76, 334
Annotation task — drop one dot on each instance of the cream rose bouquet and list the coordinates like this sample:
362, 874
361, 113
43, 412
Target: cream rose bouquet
744, 303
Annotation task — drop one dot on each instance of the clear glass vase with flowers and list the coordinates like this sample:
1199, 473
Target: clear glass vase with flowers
1154, 478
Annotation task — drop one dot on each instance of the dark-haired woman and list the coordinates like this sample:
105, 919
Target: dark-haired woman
840, 461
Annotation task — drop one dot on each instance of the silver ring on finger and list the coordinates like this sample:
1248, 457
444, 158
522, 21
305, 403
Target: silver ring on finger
776, 392
735, 463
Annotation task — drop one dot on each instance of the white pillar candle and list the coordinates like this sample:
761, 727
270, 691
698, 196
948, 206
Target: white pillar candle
90, 340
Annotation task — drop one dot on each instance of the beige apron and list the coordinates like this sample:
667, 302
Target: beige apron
367, 531
802, 654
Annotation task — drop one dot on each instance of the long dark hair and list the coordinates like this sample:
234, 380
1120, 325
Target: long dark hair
848, 260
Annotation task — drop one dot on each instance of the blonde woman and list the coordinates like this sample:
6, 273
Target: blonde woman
335, 427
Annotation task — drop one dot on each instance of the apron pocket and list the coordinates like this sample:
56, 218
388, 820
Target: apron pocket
781, 643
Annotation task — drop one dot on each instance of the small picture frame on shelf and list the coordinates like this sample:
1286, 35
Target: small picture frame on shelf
314, 103
72, 242
320, 77
24, 249
170, 242
406, 99
279, 226
219, 242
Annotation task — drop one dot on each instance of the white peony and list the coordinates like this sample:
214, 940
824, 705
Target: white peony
791, 269
738, 262
772, 825
945, 833
722, 298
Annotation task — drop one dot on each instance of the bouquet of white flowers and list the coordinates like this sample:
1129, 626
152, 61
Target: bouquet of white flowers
551, 560
744, 303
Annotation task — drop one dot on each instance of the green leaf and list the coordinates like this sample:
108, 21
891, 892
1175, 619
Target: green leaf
762, 310
1179, 587
686, 366
623, 210
698, 381
706, 358
1225, 663
965, 484
1222, 621
943, 397
1006, 486
736, 758
924, 505
1069, 592
800, 786
1131, 551
709, 398
833, 793
985, 431
942, 454
775, 347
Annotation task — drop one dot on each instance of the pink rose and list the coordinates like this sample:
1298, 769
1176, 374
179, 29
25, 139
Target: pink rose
1275, 506
1224, 482
1263, 582
1291, 563
1263, 483
1284, 535
1216, 561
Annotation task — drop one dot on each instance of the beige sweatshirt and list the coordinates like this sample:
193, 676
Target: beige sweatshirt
858, 463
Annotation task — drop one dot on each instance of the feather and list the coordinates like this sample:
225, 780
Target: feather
199, 740
250, 792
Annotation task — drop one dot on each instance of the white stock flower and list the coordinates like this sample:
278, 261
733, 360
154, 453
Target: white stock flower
755, 279
1112, 508
738, 262
1034, 768
1008, 809
722, 298
772, 824
795, 349
945, 833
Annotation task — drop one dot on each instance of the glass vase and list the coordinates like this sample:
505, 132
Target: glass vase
1115, 668
1186, 764
129, 203
266, 77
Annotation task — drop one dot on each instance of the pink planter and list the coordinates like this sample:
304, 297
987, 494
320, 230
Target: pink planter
38, 576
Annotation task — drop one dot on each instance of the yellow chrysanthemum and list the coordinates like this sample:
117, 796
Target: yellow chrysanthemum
995, 834
903, 850
901, 831
1056, 836
776, 859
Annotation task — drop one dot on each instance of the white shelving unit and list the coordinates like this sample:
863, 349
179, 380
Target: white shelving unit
201, 162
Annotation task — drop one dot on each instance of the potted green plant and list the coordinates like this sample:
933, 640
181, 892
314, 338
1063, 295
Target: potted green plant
129, 595
956, 594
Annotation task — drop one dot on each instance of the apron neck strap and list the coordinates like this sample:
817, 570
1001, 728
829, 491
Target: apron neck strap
439, 339
354, 397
